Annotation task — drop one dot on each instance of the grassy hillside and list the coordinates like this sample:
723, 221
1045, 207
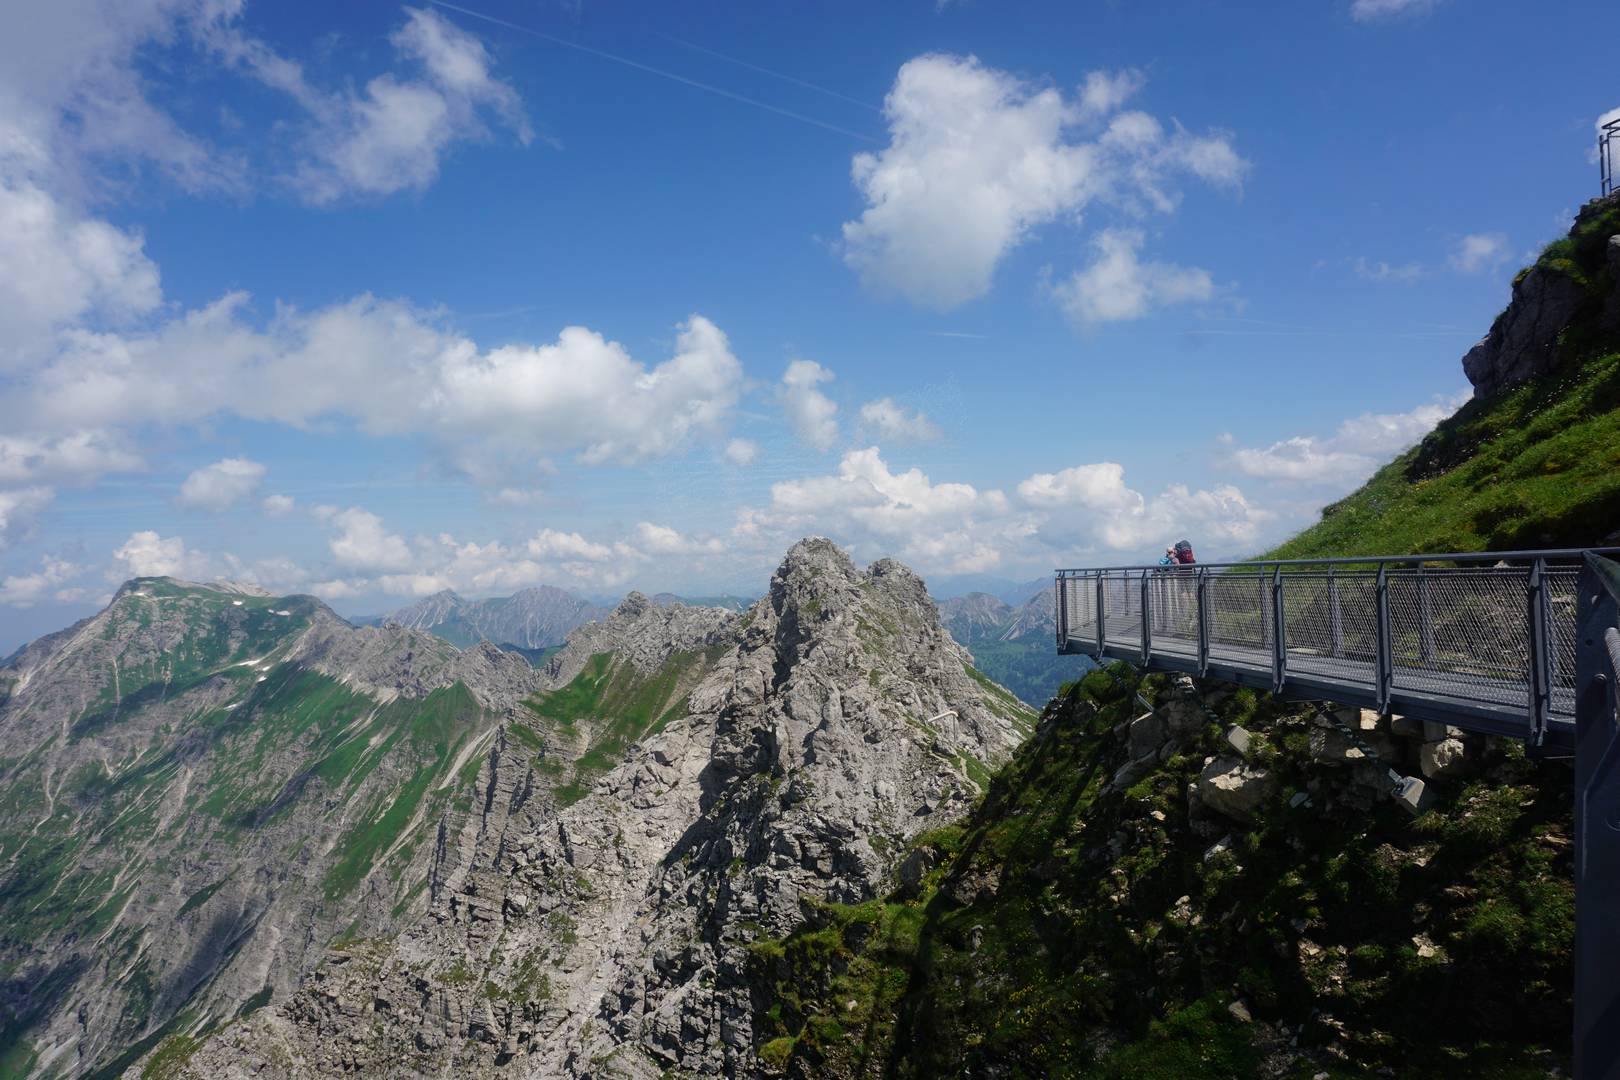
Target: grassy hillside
1075, 929
1536, 466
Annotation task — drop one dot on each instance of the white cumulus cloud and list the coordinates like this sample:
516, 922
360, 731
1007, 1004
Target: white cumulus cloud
362, 543
886, 420
1478, 252
812, 414
1118, 285
1352, 453
978, 159
25, 590
146, 554
394, 134
392, 371
221, 485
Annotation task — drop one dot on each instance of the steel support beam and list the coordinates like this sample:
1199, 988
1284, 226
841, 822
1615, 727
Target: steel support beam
1597, 824
1540, 691
1102, 638
1147, 621
1061, 606
1279, 633
1203, 620
1384, 650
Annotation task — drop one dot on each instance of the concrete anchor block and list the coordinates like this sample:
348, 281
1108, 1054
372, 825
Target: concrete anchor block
1412, 796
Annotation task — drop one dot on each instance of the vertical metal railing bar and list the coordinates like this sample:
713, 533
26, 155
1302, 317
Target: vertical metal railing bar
1061, 606
1147, 621
1203, 620
1101, 640
1383, 648
1279, 632
1536, 680
1597, 821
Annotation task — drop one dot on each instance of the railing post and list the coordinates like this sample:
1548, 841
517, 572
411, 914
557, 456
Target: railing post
1147, 619
1335, 616
1101, 638
1203, 621
1279, 633
1540, 691
1425, 618
1597, 822
1383, 647
1061, 602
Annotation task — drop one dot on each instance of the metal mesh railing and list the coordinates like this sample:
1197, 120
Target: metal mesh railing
1495, 633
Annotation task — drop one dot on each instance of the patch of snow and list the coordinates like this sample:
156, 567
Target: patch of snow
261, 678
236, 603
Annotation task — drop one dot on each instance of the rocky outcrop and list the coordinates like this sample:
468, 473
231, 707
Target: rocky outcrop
610, 937
1561, 290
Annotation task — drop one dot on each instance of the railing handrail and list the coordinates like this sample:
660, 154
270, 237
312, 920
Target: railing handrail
1363, 560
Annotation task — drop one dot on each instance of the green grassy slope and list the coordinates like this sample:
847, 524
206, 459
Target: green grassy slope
608, 706
1536, 466
1069, 932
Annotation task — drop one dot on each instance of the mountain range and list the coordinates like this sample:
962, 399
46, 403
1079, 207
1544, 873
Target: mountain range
213, 797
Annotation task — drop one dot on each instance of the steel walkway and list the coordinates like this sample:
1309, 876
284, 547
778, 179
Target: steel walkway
1524, 644
1482, 641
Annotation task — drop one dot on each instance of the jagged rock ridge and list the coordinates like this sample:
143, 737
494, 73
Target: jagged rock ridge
609, 937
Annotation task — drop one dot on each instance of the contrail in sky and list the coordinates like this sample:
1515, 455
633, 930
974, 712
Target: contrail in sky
654, 71
694, 46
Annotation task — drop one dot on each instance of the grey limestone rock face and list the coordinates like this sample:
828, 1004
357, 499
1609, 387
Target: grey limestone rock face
610, 937
1523, 342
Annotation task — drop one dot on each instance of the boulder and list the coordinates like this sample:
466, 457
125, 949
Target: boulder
1233, 788
1330, 746
1444, 757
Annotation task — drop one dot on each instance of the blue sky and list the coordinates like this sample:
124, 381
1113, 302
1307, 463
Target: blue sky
369, 300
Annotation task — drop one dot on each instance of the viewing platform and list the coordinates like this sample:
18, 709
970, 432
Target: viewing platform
1483, 641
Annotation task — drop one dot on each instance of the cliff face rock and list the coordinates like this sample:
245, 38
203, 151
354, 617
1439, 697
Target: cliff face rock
200, 787
1575, 282
609, 937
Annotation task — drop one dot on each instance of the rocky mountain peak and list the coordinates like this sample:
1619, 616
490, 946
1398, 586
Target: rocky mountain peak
644, 633
832, 722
